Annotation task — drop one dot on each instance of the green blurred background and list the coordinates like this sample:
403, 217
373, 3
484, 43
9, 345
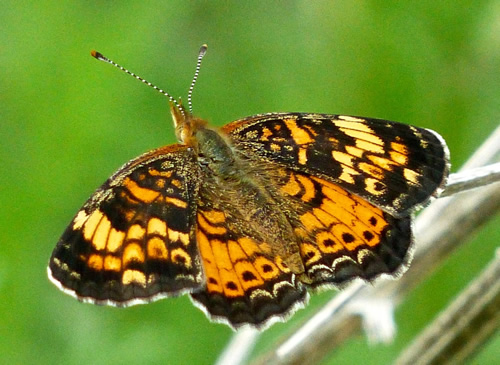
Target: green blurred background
68, 121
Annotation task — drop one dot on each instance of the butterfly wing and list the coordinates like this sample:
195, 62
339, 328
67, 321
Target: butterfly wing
395, 166
341, 235
134, 239
245, 282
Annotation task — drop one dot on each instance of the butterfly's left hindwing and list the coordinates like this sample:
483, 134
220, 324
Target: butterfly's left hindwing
395, 166
134, 240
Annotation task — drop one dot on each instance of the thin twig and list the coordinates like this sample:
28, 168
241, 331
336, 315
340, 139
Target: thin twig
471, 179
463, 327
239, 347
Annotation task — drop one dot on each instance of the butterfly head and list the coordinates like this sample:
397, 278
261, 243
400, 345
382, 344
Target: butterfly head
185, 124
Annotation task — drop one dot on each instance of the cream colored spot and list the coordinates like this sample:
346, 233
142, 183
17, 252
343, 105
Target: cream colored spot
354, 151
115, 240
374, 171
302, 156
399, 147
363, 255
356, 130
181, 257
347, 174
157, 226
341, 260
411, 176
350, 119
134, 276
251, 135
369, 146
133, 252
136, 232
101, 234
382, 162
342, 158
374, 186
157, 249
91, 225
175, 236
79, 220
399, 158
75, 275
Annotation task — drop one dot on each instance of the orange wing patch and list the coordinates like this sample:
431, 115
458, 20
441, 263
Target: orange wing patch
337, 229
232, 266
241, 274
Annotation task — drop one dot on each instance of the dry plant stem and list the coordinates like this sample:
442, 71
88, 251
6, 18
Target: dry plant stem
472, 178
442, 227
464, 326
239, 347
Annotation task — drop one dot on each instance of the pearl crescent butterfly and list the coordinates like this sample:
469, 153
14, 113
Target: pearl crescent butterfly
249, 217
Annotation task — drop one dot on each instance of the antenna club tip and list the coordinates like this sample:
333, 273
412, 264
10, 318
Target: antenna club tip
203, 49
97, 55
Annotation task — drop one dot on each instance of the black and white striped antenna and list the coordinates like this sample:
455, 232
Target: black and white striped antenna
201, 53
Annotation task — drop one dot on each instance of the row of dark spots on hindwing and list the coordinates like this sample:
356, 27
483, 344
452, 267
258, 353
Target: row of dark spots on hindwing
309, 191
218, 237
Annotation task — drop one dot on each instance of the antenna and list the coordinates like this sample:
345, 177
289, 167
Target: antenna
100, 57
201, 53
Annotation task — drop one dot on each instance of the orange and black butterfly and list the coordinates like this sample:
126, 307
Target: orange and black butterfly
248, 217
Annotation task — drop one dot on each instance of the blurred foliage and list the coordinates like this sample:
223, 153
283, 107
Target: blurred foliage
68, 122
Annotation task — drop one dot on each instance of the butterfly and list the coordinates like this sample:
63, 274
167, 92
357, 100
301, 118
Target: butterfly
248, 218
